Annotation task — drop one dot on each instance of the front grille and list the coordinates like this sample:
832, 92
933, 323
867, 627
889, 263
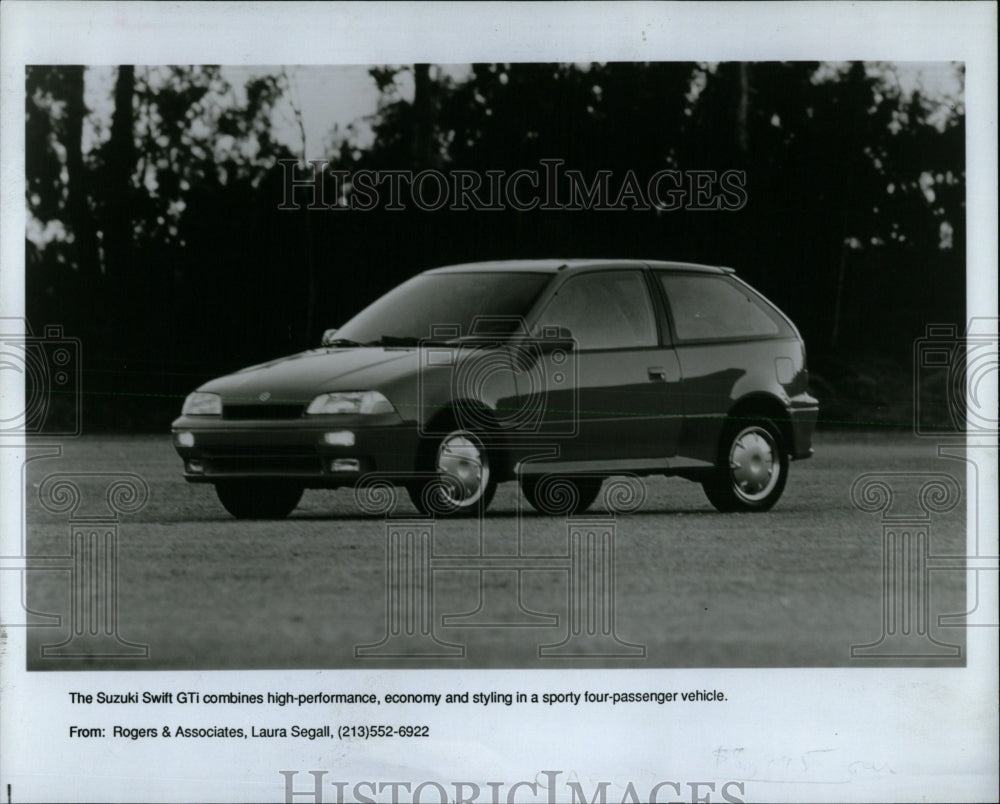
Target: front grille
262, 411
264, 464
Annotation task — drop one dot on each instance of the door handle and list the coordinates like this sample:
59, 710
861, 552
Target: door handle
657, 374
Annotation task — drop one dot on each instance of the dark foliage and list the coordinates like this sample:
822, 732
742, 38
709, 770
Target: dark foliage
177, 264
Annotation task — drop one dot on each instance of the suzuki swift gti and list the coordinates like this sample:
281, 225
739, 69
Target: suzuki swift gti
470, 375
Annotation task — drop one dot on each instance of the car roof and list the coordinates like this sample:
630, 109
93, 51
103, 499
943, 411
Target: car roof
554, 266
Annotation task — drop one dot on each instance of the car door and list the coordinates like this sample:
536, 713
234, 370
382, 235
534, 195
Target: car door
622, 395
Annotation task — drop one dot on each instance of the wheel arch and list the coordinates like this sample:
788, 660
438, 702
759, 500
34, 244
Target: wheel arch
478, 417
764, 406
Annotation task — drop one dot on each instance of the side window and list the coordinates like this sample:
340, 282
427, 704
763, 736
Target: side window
706, 307
606, 310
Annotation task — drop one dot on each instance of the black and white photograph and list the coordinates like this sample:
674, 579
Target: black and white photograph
420, 403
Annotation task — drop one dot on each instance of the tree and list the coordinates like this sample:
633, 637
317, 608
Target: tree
140, 231
121, 159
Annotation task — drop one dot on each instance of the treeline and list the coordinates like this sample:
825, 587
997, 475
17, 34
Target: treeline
161, 242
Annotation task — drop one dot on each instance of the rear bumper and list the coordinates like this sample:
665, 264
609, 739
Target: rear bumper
803, 411
294, 449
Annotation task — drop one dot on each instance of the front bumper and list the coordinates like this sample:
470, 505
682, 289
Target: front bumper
803, 411
294, 449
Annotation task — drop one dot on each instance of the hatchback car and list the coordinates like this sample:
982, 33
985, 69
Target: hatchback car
470, 375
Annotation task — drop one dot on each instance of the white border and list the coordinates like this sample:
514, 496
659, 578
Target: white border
936, 729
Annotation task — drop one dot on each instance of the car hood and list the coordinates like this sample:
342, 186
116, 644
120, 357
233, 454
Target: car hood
302, 376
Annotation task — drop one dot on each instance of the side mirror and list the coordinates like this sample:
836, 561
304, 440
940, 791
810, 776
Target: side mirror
552, 338
544, 340
547, 339
329, 336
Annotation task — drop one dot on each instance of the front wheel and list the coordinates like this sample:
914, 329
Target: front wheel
460, 479
752, 470
258, 499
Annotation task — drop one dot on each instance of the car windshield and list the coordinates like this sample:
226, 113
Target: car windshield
446, 306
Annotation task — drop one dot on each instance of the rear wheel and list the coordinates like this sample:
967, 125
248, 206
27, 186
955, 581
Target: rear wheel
752, 470
259, 499
461, 481
561, 495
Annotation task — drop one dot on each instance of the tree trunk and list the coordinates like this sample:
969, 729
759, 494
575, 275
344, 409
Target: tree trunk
422, 118
121, 161
743, 111
77, 206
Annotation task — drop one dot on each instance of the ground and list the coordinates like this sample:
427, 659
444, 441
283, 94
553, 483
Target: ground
794, 587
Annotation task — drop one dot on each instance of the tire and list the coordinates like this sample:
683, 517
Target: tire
561, 495
259, 499
465, 481
752, 467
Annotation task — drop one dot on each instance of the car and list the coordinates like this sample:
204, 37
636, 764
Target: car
555, 373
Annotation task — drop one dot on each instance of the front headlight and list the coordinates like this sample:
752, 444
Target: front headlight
350, 402
202, 404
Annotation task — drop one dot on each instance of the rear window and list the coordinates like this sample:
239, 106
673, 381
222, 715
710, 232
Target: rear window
706, 308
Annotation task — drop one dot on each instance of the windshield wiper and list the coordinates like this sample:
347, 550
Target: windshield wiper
410, 340
399, 340
385, 340
342, 343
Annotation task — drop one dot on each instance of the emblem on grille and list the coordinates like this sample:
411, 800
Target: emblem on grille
264, 396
